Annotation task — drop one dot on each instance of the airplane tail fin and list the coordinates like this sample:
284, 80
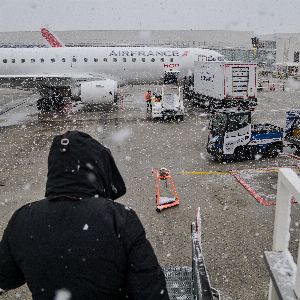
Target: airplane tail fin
51, 38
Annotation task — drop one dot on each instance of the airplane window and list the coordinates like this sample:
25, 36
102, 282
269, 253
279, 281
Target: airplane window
13, 60
74, 59
143, 59
63, 60
42, 60
124, 59
95, 59
171, 59
85, 59
22, 60
162, 59
32, 60
153, 59
5, 61
53, 60
105, 59
134, 59
115, 59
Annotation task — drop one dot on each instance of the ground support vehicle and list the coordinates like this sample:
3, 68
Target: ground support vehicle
168, 104
233, 137
220, 85
292, 131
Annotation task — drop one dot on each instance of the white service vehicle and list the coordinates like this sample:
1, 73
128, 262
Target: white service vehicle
168, 104
224, 84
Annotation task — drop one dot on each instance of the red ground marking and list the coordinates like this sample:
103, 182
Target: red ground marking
252, 191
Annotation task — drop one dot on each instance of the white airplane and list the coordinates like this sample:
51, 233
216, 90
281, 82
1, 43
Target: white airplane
92, 74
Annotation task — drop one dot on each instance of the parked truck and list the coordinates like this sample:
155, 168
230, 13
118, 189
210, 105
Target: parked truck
220, 85
233, 137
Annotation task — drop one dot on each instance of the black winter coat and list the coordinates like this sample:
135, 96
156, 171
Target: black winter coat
78, 241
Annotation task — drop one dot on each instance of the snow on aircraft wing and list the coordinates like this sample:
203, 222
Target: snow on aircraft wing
39, 80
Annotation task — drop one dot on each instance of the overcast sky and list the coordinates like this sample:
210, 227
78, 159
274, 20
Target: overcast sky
260, 16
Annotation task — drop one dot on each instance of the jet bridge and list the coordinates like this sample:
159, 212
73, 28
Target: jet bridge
191, 282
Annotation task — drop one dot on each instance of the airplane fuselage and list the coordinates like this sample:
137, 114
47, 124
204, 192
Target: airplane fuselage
124, 64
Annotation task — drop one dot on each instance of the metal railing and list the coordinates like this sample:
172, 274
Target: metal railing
202, 289
284, 273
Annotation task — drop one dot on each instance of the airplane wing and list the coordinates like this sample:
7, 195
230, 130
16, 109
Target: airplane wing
36, 81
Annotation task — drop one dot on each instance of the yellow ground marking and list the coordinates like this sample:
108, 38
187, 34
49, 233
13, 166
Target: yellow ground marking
205, 173
273, 170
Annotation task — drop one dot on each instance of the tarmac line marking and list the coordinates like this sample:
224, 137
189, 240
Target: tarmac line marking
206, 173
295, 168
252, 191
230, 172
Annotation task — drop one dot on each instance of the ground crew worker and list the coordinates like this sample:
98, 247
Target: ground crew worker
77, 242
147, 98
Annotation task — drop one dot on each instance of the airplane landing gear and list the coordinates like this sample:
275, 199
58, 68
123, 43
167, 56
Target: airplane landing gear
47, 104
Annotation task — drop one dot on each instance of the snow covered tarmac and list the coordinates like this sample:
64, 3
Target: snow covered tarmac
236, 228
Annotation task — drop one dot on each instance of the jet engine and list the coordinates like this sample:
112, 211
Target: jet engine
98, 92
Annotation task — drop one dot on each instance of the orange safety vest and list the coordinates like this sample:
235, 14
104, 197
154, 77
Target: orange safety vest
147, 96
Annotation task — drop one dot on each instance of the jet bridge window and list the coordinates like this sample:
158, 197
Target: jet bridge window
124, 59
115, 59
85, 59
32, 60
5, 61
153, 59
95, 59
22, 60
134, 59
53, 60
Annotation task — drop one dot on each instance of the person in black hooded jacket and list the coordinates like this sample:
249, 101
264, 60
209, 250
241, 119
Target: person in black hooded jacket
78, 243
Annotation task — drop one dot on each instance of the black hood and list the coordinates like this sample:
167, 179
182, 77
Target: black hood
79, 166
